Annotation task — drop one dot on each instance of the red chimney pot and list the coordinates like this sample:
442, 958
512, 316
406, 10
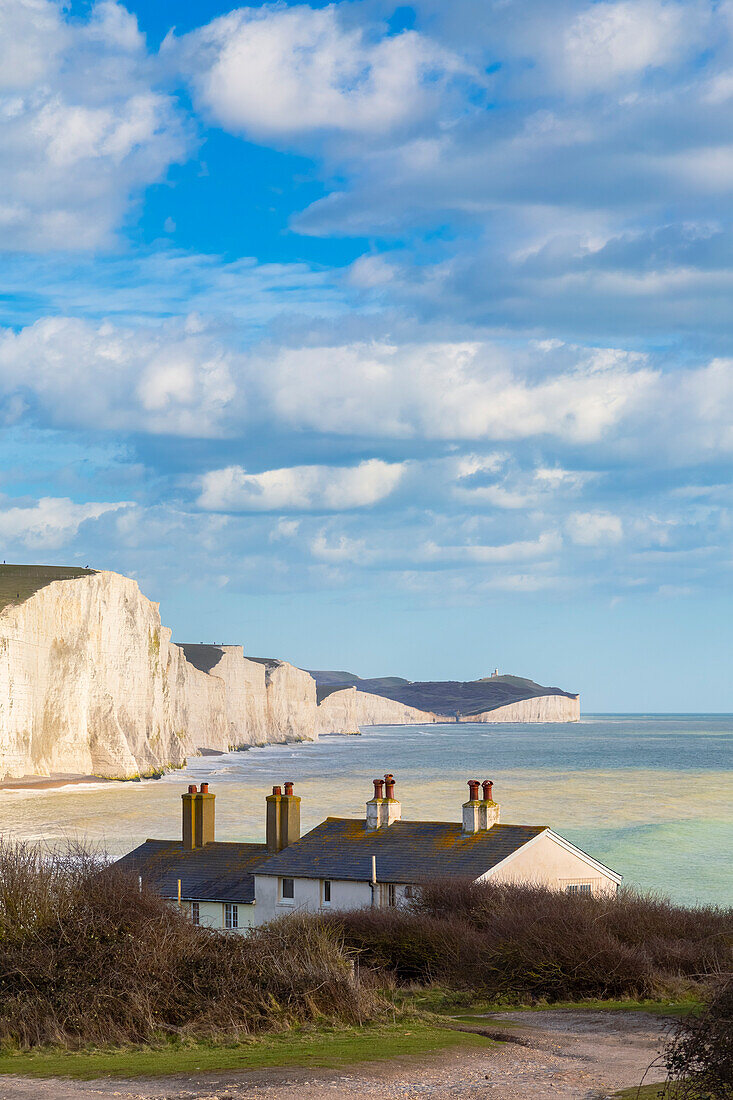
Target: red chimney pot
277, 790
487, 786
204, 788
389, 786
378, 788
473, 785
288, 789
192, 788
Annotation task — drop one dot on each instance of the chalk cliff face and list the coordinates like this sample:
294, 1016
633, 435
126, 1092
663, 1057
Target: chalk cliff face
346, 710
90, 682
543, 708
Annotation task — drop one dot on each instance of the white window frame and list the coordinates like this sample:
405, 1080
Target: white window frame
231, 915
282, 900
584, 888
326, 888
195, 913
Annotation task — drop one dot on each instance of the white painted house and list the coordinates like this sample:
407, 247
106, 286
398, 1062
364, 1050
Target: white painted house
349, 863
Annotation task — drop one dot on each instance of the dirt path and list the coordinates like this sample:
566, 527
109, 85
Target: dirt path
568, 1056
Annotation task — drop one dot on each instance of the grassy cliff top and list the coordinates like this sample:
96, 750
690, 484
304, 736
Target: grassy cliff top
19, 582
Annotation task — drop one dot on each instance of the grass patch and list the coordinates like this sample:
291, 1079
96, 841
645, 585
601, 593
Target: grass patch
325, 1049
469, 1010
647, 1092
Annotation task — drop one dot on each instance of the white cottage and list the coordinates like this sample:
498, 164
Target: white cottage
348, 863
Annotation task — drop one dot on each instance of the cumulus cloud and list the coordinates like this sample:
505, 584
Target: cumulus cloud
300, 488
82, 128
51, 522
594, 528
451, 390
73, 373
278, 71
545, 545
609, 42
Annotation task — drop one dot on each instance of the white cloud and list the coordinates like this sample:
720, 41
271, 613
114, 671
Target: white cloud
169, 380
343, 550
609, 42
82, 129
452, 390
51, 522
546, 544
300, 488
594, 528
274, 71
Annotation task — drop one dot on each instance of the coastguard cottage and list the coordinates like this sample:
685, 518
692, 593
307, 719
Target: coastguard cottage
348, 863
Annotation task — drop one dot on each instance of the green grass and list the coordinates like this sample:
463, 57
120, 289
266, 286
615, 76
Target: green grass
467, 1009
19, 582
326, 1049
646, 1092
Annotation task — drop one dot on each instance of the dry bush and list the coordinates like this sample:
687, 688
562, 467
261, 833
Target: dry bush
86, 956
529, 942
699, 1058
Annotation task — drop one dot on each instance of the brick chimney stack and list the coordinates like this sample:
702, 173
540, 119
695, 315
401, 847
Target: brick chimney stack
382, 809
198, 817
471, 809
283, 818
489, 810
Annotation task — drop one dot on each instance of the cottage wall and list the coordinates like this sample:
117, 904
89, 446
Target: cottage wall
308, 896
211, 914
545, 862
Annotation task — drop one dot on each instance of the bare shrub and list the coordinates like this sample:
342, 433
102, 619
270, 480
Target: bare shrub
86, 956
530, 942
699, 1058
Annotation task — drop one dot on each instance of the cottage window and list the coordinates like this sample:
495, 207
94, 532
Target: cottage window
579, 888
231, 915
410, 892
326, 892
195, 913
391, 894
287, 889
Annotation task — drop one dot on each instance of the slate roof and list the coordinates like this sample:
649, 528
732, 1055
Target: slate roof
218, 872
406, 851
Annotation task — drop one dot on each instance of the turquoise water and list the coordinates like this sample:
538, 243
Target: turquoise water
649, 795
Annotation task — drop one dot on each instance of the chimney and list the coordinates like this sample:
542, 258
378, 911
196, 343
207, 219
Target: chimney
374, 806
274, 820
471, 809
382, 810
203, 816
290, 817
189, 835
390, 809
489, 810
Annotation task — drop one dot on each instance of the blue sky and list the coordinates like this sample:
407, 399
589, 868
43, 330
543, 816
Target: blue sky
387, 338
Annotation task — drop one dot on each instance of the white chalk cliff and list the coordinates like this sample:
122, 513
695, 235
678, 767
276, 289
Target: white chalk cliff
541, 708
344, 711
91, 683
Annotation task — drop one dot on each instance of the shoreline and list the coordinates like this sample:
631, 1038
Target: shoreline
50, 782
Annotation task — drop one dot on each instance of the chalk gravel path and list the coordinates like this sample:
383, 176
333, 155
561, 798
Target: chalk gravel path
559, 1056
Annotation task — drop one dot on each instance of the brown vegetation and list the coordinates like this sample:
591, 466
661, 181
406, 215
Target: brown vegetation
530, 943
86, 956
699, 1059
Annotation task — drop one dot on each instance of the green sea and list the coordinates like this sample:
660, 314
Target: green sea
650, 795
